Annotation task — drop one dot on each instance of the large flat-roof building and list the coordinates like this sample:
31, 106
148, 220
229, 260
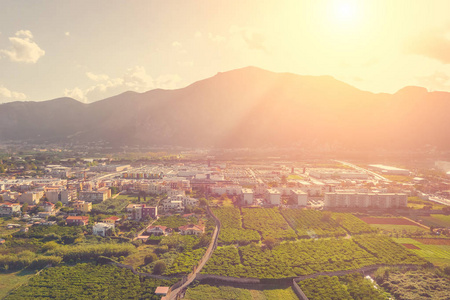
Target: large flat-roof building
390, 170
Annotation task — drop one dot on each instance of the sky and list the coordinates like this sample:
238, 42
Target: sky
91, 50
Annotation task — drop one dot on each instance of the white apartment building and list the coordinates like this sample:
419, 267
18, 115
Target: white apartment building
230, 190
299, 197
376, 200
247, 196
273, 196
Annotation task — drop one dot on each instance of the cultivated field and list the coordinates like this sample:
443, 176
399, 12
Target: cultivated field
207, 292
11, 280
290, 259
348, 287
438, 254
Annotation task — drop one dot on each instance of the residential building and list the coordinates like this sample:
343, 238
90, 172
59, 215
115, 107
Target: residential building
31, 197
247, 196
102, 229
141, 211
77, 220
273, 196
158, 230
192, 229
82, 206
8, 209
112, 220
48, 206
374, 200
230, 190
97, 196
299, 197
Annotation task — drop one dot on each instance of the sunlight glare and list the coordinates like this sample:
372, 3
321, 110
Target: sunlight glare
345, 10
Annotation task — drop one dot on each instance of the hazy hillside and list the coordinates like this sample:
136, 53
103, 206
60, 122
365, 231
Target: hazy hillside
240, 108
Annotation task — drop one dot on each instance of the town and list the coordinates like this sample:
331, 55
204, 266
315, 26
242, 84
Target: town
158, 217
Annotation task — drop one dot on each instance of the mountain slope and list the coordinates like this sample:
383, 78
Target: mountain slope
248, 107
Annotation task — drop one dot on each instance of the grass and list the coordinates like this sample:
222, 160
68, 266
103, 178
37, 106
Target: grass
4, 231
399, 178
204, 291
137, 259
417, 203
126, 197
399, 228
226, 202
443, 220
9, 281
436, 254
294, 177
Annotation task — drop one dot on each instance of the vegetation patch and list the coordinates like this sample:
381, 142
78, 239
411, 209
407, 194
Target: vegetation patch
410, 246
436, 254
444, 242
311, 223
388, 221
89, 281
414, 285
232, 231
12, 280
269, 222
207, 292
348, 287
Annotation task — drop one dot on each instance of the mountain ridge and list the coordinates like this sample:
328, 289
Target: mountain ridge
247, 107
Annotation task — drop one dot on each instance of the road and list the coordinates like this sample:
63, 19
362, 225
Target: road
440, 200
191, 277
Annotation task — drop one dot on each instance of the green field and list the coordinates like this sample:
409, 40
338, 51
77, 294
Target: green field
207, 292
436, 254
417, 203
9, 281
295, 177
89, 281
398, 228
442, 220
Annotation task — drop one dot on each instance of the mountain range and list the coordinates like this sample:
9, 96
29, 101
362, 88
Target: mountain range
247, 107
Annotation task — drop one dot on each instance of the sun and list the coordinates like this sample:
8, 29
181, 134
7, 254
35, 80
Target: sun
345, 11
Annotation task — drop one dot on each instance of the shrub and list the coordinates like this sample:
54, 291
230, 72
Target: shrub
159, 268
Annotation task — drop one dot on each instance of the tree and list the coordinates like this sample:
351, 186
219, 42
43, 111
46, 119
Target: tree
58, 204
203, 202
25, 207
270, 242
150, 258
159, 268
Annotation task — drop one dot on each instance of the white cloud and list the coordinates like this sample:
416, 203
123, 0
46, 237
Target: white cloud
253, 39
168, 81
10, 95
189, 63
76, 93
176, 44
135, 79
23, 48
216, 38
97, 77
198, 34
24, 34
